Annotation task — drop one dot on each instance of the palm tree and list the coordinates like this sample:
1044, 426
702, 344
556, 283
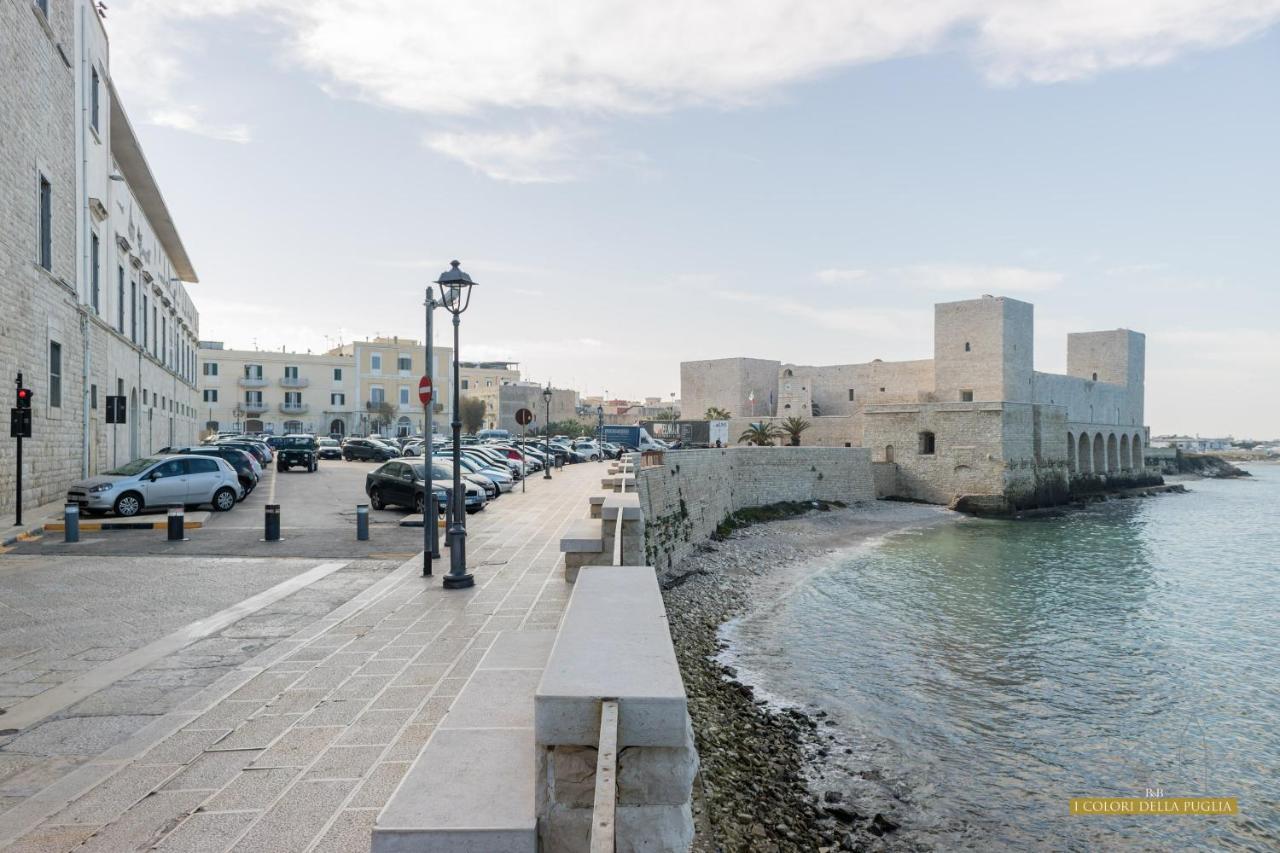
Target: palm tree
715, 413
759, 434
793, 427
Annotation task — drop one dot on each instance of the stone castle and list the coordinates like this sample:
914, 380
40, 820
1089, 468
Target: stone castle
976, 425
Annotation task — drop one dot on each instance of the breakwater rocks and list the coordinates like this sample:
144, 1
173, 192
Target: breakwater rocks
760, 762
1206, 465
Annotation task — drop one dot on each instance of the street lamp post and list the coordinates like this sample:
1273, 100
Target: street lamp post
430, 508
455, 291
600, 431
546, 436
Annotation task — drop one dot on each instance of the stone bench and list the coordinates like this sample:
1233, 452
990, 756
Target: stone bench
596, 501
582, 545
473, 786
614, 643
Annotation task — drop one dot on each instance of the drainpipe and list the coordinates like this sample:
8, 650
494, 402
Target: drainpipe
85, 324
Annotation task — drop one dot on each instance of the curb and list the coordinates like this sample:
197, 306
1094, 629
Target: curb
59, 526
17, 537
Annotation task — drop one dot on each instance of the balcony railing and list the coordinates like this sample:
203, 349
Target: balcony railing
294, 382
254, 408
252, 382
294, 408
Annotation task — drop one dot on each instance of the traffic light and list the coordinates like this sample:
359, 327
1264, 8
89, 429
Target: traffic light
24, 398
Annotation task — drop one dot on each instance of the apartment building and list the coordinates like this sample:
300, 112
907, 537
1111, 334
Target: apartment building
92, 267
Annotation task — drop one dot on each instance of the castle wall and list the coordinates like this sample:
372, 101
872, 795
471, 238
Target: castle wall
727, 383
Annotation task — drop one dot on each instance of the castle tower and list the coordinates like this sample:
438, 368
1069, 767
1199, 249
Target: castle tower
982, 350
1117, 356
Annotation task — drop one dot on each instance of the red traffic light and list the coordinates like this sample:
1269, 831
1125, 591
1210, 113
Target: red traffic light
24, 398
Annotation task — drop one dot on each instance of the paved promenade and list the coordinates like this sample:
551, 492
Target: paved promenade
299, 748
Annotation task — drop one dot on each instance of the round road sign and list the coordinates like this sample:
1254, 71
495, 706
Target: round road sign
424, 390
524, 417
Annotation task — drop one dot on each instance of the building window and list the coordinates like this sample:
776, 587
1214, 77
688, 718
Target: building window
376, 395
1095, 377
211, 368
133, 308
966, 396
337, 374
253, 371
404, 363
46, 223
337, 399
927, 444
404, 396
293, 399
144, 396
881, 390
120, 301
966, 346
211, 395
93, 396
55, 374
155, 327
252, 398
291, 372
94, 288
850, 395
93, 99
375, 362
465, 385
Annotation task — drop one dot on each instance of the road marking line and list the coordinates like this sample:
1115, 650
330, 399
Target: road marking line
35, 709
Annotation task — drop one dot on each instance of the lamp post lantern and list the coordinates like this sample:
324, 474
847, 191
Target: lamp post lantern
546, 436
455, 292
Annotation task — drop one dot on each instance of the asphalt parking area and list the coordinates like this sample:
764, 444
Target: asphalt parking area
317, 519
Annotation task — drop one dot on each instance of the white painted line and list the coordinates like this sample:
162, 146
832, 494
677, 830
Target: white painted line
35, 709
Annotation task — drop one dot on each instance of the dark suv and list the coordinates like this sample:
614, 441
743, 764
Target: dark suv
299, 450
364, 449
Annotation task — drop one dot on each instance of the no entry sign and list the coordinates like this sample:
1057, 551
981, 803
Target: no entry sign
524, 417
424, 390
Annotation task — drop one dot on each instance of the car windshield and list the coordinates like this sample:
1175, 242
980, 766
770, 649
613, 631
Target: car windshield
131, 469
297, 442
328, 442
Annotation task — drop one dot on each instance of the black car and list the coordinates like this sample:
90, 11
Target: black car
259, 451
239, 459
402, 484
329, 449
364, 449
298, 450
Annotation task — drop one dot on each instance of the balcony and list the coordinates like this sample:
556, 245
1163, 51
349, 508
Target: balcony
294, 382
252, 382
294, 408
253, 408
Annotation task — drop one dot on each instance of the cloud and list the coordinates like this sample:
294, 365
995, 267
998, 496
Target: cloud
538, 156
190, 122
874, 323
976, 279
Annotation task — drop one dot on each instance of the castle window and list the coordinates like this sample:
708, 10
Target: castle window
966, 396
787, 372
850, 395
881, 390
1095, 377
927, 444
966, 346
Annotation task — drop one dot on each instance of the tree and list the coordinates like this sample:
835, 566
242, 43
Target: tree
668, 415
715, 413
380, 414
573, 429
793, 427
471, 413
760, 434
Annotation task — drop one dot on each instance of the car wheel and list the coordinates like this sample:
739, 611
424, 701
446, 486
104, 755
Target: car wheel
375, 499
419, 505
224, 499
128, 505
346, 457
282, 467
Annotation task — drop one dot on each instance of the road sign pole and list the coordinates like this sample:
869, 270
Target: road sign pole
18, 502
430, 534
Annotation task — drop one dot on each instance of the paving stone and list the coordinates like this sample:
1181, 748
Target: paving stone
380, 667
377, 789
362, 687
78, 735
348, 659
410, 742
401, 697
434, 711
334, 712
51, 839
449, 687
12, 763
207, 833
257, 733
375, 727
345, 762
324, 677
108, 800
423, 674
212, 770
264, 686
297, 818
145, 823
295, 701
183, 746
254, 788
298, 747
226, 715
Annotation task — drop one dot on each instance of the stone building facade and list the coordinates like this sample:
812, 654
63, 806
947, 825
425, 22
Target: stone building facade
976, 423
92, 269
332, 393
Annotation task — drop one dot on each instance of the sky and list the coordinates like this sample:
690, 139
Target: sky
637, 184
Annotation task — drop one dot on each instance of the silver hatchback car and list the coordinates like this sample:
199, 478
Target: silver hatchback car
159, 481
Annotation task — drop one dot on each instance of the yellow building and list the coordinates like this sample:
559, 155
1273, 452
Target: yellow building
386, 375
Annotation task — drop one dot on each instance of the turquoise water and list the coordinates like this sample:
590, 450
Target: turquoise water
991, 670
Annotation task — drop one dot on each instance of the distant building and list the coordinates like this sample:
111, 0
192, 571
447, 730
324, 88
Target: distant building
1191, 444
975, 421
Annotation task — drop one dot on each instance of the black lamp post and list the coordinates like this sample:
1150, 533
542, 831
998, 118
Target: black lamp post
546, 395
600, 431
455, 290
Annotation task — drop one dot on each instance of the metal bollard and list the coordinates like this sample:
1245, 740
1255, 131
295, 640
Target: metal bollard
362, 522
71, 523
177, 523
273, 523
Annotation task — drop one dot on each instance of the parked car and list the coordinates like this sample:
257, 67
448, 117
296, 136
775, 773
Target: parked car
404, 484
493, 481
159, 481
260, 451
368, 450
248, 471
329, 448
588, 449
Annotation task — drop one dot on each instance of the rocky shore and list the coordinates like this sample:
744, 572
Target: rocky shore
763, 766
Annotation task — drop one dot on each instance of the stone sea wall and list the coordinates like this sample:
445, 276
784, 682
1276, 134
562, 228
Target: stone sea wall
686, 497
